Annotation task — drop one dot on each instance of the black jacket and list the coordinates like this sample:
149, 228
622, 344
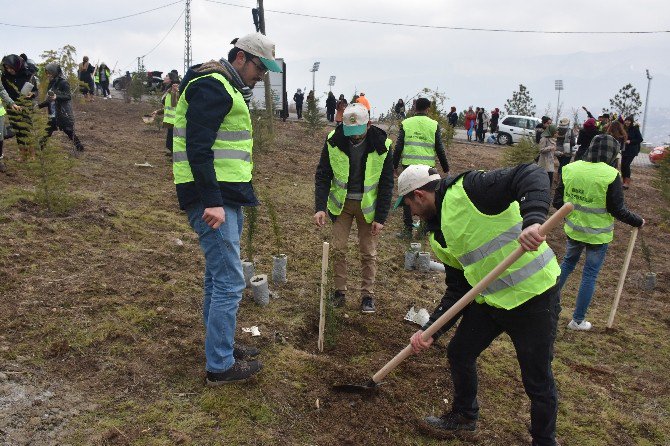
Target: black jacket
208, 105
635, 138
13, 83
439, 149
375, 139
299, 98
491, 192
331, 102
64, 113
614, 202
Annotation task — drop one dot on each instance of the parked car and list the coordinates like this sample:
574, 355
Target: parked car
154, 81
657, 154
515, 127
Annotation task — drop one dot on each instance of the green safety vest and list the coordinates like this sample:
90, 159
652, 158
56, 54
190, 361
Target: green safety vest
96, 78
419, 141
585, 186
232, 148
2, 113
168, 109
481, 242
339, 162
443, 254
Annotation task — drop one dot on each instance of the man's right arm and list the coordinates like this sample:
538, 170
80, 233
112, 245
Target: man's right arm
209, 103
322, 179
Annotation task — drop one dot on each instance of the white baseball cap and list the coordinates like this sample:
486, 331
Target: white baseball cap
355, 119
412, 178
260, 46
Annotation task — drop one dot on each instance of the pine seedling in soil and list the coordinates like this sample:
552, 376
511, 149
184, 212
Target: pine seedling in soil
50, 169
251, 218
313, 116
137, 86
262, 125
646, 252
525, 151
274, 222
662, 182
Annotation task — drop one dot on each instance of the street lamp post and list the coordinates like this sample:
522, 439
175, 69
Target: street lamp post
314, 69
646, 102
558, 85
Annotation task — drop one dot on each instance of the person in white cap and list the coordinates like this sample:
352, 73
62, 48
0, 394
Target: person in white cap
476, 219
354, 181
212, 167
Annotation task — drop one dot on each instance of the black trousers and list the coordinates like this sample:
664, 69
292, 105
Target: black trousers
105, 87
626, 161
168, 138
69, 131
532, 327
298, 110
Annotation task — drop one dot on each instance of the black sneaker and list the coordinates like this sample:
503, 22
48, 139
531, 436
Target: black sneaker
244, 351
338, 299
452, 421
368, 304
239, 372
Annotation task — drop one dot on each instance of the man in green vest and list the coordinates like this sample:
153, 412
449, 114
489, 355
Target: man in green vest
212, 167
419, 141
478, 218
354, 181
594, 186
170, 99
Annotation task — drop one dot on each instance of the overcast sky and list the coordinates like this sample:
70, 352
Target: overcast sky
385, 61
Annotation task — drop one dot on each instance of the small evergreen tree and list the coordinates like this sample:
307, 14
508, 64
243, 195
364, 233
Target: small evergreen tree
521, 103
626, 102
525, 151
65, 57
313, 117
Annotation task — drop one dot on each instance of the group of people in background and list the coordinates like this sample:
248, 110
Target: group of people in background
334, 107
570, 142
94, 79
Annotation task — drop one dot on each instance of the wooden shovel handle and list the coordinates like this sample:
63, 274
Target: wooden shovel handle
468, 297
622, 277
322, 300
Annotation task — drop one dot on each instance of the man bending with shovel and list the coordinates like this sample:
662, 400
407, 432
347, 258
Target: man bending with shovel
477, 219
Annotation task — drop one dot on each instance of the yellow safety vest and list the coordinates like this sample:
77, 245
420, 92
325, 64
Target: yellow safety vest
419, 141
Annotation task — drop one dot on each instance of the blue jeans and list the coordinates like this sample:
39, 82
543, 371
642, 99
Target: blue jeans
595, 256
224, 283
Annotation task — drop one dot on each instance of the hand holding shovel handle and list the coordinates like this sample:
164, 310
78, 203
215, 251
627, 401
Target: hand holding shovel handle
548, 225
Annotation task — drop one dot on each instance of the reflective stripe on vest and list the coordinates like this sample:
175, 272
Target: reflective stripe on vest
419, 142
339, 162
168, 110
232, 148
485, 241
585, 185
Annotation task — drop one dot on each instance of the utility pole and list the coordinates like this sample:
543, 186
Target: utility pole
188, 54
558, 85
646, 102
266, 79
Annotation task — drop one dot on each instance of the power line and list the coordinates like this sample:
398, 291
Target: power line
166, 34
91, 23
452, 28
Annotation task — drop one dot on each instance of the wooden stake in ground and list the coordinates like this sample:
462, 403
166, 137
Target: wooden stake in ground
322, 302
622, 276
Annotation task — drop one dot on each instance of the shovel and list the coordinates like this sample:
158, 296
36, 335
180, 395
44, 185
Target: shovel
376, 380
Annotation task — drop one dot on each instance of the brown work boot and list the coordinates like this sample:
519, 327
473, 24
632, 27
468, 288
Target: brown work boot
241, 371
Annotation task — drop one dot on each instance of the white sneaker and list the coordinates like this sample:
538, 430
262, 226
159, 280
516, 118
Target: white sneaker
582, 326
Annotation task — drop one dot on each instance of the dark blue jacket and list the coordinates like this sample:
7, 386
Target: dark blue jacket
208, 104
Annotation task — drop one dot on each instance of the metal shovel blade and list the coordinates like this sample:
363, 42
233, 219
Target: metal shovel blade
368, 387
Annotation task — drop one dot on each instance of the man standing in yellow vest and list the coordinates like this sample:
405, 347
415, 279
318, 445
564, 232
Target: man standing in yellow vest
170, 99
594, 186
478, 218
419, 141
354, 181
212, 166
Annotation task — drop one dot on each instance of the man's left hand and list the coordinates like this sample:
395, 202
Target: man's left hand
376, 228
530, 237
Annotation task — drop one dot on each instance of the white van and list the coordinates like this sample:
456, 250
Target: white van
515, 127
